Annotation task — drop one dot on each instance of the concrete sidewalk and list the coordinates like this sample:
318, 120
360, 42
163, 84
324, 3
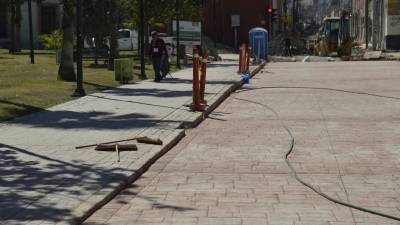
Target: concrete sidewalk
45, 180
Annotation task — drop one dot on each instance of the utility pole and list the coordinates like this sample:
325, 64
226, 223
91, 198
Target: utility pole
375, 23
178, 44
366, 23
294, 16
271, 26
215, 23
285, 13
79, 92
142, 45
32, 53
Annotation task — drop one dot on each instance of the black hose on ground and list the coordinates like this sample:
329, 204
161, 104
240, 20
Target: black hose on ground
292, 143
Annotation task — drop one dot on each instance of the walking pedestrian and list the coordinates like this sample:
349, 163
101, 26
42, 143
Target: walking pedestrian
156, 53
288, 47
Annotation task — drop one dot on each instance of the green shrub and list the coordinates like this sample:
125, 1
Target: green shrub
51, 41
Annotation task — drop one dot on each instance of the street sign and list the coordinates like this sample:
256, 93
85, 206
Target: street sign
235, 20
189, 32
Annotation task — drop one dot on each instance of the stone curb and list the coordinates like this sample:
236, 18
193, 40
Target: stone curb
175, 140
181, 133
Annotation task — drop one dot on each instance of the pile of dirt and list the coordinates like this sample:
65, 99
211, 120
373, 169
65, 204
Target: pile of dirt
357, 53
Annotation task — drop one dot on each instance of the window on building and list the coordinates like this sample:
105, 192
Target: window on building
3, 21
49, 19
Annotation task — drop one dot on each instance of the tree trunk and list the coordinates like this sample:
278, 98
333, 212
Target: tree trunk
66, 70
18, 19
11, 49
113, 34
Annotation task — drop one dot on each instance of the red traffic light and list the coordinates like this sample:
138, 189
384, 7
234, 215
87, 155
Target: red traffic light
269, 10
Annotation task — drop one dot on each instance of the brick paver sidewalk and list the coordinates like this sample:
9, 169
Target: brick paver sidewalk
45, 180
231, 170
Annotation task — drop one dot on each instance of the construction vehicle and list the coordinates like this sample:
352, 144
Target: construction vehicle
334, 37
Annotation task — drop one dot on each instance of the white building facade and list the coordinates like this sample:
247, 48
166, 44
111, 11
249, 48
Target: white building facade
46, 17
383, 23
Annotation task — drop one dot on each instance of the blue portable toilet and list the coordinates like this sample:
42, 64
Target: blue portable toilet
258, 39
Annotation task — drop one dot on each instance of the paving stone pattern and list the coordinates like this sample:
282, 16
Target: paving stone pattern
45, 180
231, 170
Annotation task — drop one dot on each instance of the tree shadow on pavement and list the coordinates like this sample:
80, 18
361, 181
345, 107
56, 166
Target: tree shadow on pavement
217, 65
135, 102
152, 92
64, 119
159, 205
12, 109
98, 87
38, 187
190, 81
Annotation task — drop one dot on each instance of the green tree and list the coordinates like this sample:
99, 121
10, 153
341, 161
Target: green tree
66, 70
113, 33
16, 18
160, 13
52, 41
102, 19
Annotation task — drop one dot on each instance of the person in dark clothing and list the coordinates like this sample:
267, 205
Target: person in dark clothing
288, 47
156, 53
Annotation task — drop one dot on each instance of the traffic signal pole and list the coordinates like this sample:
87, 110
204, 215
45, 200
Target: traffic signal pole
285, 15
269, 16
178, 17
366, 23
271, 19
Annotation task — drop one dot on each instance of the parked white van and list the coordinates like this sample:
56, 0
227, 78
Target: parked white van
127, 40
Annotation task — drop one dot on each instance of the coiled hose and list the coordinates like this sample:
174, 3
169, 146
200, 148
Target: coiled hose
292, 143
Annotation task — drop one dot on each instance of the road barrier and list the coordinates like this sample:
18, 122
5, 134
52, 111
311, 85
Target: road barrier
199, 81
195, 91
247, 59
197, 104
244, 58
203, 77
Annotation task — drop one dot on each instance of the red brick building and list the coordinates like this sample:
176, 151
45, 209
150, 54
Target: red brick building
218, 24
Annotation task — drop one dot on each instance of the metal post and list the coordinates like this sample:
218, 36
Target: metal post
215, 23
79, 78
236, 37
270, 3
375, 24
142, 45
32, 53
366, 23
294, 16
178, 44
286, 16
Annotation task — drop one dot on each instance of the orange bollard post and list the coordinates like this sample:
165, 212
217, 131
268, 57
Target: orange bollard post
247, 59
196, 91
203, 77
243, 60
243, 68
240, 58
